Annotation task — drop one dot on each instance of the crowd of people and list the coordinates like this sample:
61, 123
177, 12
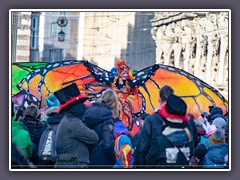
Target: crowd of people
91, 135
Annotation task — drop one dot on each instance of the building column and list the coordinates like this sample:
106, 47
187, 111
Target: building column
80, 38
177, 54
209, 58
186, 54
223, 50
167, 53
159, 52
198, 56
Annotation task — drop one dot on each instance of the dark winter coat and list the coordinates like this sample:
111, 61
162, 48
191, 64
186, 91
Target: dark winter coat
152, 146
35, 128
99, 118
194, 132
152, 128
53, 119
216, 156
72, 140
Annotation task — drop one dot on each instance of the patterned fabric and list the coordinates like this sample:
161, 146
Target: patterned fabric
123, 150
40, 82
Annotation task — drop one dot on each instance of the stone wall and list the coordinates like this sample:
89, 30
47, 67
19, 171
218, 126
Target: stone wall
196, 42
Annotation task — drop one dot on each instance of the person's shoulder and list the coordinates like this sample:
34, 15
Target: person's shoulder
153, 116
24, 133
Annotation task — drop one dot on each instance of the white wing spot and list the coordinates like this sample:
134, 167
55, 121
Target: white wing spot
56, 65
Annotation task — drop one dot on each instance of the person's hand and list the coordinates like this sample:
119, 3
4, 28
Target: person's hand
87, 64
154, 68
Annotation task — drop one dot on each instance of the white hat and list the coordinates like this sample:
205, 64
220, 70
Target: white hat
210, 129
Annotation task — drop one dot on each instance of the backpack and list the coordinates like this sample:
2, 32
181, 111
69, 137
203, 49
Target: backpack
47, 147
121, 162
182, 158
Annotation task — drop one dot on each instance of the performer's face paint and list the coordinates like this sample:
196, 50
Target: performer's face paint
124, 75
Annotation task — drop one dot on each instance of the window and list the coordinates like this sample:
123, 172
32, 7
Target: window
56, 55
54, 28
33, 40
34, 23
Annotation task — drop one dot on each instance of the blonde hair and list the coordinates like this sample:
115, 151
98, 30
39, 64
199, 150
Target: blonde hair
109, 98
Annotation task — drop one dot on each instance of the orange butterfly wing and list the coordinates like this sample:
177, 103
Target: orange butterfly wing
197, 94
40, 83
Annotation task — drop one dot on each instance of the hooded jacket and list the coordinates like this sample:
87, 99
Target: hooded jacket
22, 138
153, 149
73, 138
98, 117
215, 157
35, 128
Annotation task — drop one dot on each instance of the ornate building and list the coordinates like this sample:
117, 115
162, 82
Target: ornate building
196, 42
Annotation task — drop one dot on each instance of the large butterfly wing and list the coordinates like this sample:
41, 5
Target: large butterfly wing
197, 94
38, 84
22, 69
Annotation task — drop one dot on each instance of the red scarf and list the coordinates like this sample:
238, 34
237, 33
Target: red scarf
163, 113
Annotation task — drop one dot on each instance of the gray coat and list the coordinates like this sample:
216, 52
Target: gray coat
72, 140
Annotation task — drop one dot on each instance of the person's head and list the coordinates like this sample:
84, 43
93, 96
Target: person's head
220, 123
123, 70
174, 110
215, 113
217, 137
70, 97
164, 92
109, 98
32, 111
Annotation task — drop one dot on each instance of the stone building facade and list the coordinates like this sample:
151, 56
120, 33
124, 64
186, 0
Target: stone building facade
196, 42
100, 37
20, 36
109, 36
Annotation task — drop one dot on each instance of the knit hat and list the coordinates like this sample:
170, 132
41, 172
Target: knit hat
216, 110
215, 113
220, 123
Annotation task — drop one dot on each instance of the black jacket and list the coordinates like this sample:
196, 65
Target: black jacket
35, 128
152, 147
99, 118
